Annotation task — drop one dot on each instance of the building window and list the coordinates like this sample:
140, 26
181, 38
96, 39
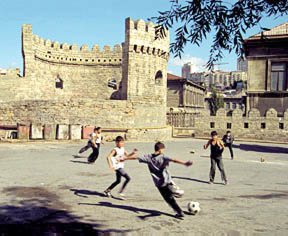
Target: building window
212, 125
263, 125
58, 83
281, 125
233, 106
229, 125
227, 105
246, 125
278, 76
158, 77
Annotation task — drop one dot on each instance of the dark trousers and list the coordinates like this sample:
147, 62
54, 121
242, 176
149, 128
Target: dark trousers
169, 198
94, 155
220, 165
229, 145
120, 173
84, 149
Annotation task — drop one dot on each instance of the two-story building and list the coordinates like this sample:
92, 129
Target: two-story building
183, 93
267, 56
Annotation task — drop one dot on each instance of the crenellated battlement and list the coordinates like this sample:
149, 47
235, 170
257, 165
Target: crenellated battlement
64, 53
140, 37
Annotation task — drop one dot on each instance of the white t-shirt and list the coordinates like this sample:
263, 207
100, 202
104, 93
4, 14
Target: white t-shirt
92, 136
99, 138
120, 152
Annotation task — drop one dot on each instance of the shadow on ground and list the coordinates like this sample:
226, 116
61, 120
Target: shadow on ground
150, 213
274, 194
260, 148
83, 193
194, 180
80, 162
36, 211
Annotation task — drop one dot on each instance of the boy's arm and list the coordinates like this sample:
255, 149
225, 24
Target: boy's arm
207, 144
131, 156
112, 153
93, 141
185, 163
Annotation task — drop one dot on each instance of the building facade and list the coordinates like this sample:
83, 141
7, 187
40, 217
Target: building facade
267, 56
242, 64
182, 93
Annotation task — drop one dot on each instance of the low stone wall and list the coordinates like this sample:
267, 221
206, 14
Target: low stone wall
268, 127
51, 119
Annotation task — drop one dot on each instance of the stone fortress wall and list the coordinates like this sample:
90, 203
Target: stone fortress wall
254, 126
269, 127
138, 68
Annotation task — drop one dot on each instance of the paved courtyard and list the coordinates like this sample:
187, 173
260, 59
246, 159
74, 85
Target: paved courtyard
45, 189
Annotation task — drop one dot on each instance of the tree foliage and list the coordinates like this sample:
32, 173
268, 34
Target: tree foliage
228, 20
216, 101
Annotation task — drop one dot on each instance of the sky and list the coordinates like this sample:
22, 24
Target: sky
92, 22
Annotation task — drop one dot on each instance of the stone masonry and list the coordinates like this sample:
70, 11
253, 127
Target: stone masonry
137, 102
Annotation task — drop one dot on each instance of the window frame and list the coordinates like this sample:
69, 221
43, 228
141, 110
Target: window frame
272, 71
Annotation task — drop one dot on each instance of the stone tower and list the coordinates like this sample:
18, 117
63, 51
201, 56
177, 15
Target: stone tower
27, 49
144, 69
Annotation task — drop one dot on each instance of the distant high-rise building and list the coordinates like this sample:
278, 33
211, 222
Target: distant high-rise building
242, 65
218, 78
187, 69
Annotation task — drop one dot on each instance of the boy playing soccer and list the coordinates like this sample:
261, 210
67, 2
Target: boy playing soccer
157, 164
114, 158
94, 142
228, 140
217, 147
90, 141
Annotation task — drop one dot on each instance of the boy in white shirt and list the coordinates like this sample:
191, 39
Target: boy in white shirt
118, 166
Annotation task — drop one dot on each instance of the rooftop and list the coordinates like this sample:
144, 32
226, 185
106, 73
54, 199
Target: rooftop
171, 77
280, 31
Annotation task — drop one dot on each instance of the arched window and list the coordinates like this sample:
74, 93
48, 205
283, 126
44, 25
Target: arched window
58, 83
158, 77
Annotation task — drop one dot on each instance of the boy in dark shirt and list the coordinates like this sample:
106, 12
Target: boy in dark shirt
217, 147
157, 164
228, 140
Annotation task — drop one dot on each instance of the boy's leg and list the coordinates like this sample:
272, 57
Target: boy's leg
231, 151
84, 149
127, 179
94, 155
221, 169
169, 198
113, 185
212, 170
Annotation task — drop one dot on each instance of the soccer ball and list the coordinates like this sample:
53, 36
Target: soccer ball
193, 208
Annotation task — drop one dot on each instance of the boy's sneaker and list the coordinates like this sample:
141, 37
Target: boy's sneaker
225, 182
179, 215
210, 182
107, 193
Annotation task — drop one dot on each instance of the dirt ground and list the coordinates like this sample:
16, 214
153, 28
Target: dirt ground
44, 189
